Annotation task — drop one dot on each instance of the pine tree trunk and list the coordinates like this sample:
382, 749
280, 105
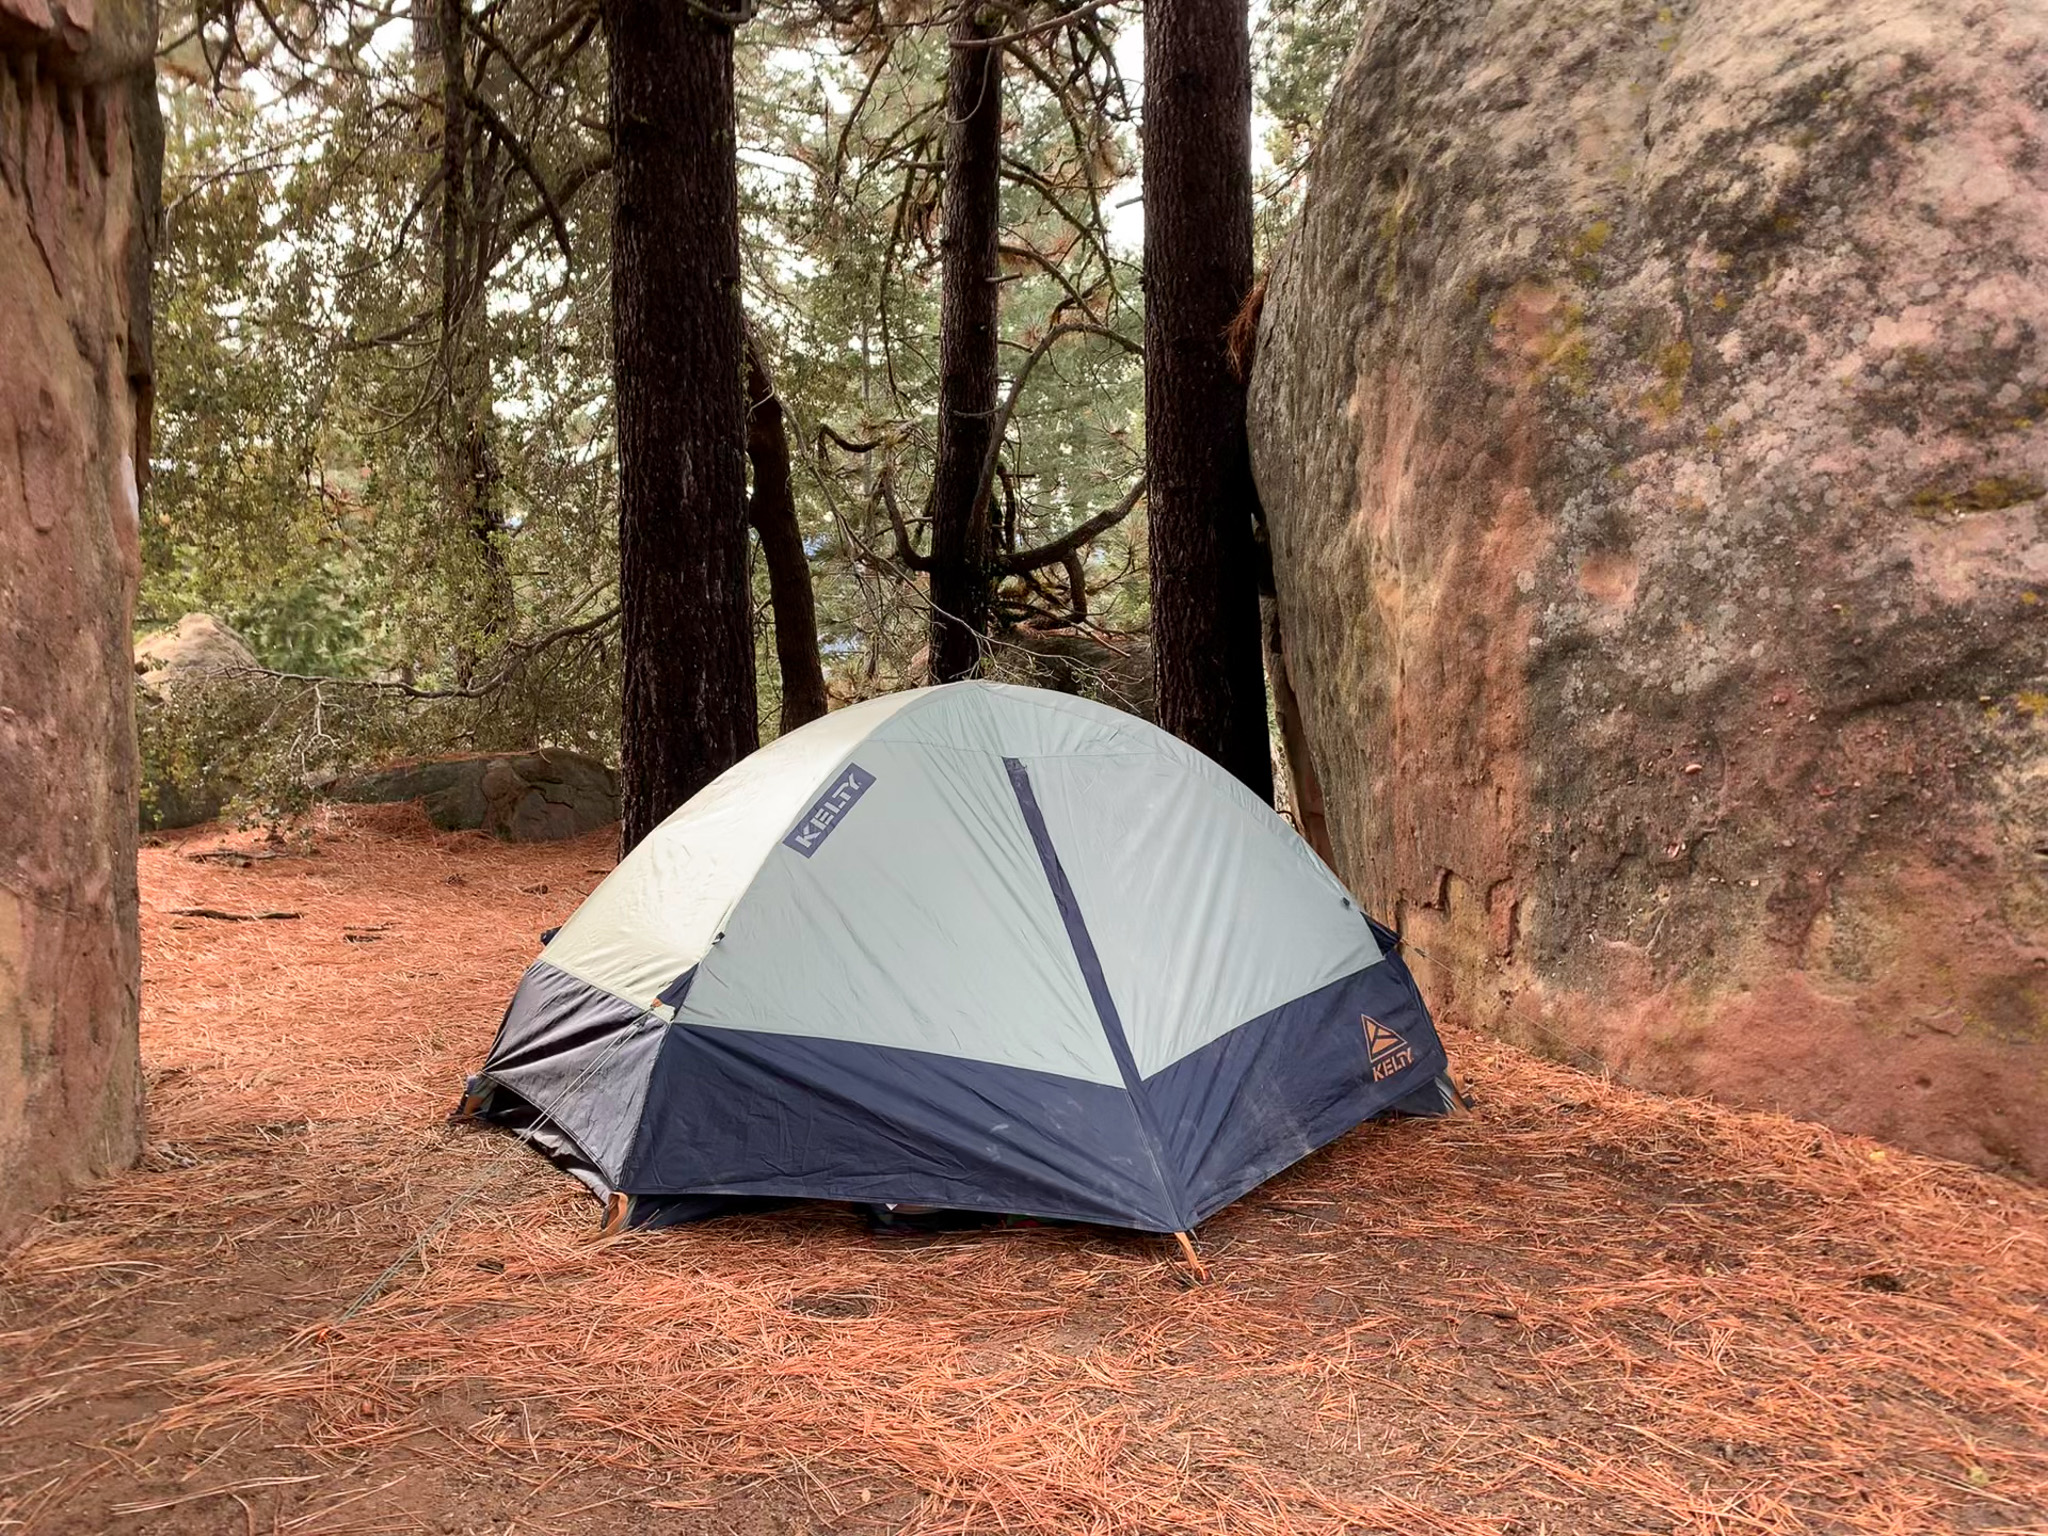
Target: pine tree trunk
960, 579
465, 462
772, 510
1198, 269
679, 358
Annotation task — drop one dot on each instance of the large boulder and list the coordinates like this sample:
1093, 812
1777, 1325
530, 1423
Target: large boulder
197, 647
1651, 415
80, 151
525, 797
197, 651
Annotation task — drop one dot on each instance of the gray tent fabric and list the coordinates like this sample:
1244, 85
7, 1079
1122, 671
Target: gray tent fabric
976, 946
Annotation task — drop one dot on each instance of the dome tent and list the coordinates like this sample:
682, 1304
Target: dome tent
979, 947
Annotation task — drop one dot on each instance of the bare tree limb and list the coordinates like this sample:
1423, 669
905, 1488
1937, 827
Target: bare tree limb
519, 653
1077, 584
1018, 173
1050, 24
1009, 508
1050, 268
1069, 544
491, 41
906, 552
859, 106
825, 430
567, 189
1023, 376
572, 17
520, 158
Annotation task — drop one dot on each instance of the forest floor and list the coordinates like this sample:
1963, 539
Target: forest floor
1580, 1309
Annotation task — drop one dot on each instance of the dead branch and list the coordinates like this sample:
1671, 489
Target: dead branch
985, 482
519, 652
906, 552
825, 431
1075, 539
219, 916
500, 131
1050, 24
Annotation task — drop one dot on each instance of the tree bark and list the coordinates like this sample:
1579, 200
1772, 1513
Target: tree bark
772, 510
678, 360
459, 237
1198, 269
961, 579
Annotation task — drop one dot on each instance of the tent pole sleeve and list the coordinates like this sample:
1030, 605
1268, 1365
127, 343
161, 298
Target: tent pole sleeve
1098, 986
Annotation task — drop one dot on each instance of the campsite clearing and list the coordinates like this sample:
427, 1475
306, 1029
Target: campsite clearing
1580, 1308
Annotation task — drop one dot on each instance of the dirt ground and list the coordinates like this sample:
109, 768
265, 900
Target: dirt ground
1578, 1309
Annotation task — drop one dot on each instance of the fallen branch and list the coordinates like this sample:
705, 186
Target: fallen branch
235, 917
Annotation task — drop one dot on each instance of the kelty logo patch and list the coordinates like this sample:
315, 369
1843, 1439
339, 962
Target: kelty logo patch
1389, 1052
807, 835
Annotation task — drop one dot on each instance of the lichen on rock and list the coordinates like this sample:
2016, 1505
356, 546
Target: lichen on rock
1651, 418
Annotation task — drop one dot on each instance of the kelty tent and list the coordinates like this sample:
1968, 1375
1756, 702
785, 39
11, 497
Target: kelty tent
978, 947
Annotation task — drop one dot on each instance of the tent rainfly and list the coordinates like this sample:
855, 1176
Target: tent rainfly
978, 947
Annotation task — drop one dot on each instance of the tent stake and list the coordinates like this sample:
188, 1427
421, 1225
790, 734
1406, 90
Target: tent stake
1195, 1264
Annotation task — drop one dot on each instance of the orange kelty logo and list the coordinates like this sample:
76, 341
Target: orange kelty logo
1389, 1052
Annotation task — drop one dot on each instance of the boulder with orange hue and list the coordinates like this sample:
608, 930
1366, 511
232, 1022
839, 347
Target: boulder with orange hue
1651, 415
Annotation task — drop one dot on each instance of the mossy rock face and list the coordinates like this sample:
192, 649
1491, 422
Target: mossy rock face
1649, 419
524, 797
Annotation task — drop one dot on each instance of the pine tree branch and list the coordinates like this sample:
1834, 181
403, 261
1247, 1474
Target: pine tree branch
986, 482
906, 552
1069, 544
1050, 24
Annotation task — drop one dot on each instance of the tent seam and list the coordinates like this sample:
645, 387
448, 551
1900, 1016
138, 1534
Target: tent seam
1105, 1006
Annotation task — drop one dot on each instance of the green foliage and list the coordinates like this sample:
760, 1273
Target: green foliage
312, 383
1298, 50
302, 385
